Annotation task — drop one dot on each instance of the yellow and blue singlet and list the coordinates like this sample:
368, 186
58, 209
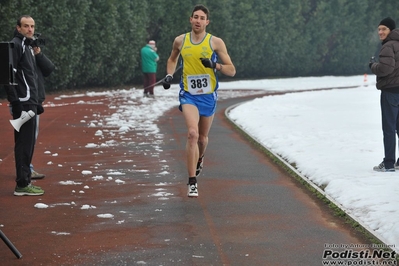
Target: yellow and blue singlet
197, 79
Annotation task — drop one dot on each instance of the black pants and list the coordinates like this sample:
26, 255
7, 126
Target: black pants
390, 125
24, 147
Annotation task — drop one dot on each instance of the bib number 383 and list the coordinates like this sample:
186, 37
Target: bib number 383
199, 84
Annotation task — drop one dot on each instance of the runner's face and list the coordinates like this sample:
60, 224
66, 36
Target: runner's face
199, 21
383, 32
27, 28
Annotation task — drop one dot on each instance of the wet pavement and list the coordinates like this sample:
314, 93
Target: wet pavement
115, 198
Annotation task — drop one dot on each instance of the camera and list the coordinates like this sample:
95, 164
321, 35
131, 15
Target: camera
36, 41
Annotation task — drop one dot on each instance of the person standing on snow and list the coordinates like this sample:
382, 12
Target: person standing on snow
387, 72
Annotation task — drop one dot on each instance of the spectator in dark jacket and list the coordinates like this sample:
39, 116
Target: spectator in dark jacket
44, 68
24, 97
387, 72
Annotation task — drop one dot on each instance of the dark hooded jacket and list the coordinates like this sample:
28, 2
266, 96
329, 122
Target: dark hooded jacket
44, 69
387, 69
25, 71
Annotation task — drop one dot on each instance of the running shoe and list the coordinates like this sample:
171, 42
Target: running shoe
29, 190
192, 190
381, 168
200, 165
36, 175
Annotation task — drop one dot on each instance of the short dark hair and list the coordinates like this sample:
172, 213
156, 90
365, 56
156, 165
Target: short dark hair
202, 8
20, 18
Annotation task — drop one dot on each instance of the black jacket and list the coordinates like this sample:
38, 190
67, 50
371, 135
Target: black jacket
44, 69
387, 69
25, 71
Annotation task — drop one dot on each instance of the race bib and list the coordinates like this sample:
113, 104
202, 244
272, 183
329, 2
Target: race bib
199, 84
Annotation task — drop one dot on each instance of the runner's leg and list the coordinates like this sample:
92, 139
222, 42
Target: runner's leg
191, 116
204, 127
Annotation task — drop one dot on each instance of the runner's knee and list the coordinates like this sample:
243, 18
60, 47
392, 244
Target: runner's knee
193, 135
202, 140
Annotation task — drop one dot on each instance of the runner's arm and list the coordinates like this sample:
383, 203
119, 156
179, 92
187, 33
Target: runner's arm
174, 55
226, 67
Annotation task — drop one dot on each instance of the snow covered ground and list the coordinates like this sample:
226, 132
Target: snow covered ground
334, 138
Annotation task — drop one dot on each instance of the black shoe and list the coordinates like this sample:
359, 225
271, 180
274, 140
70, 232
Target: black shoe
200, 165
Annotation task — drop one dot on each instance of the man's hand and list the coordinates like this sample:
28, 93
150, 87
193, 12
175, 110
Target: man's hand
36, 50
167, 81
16, 109
208, 63
372, 61
40, 109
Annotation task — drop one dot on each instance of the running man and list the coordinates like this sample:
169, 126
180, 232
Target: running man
200, 54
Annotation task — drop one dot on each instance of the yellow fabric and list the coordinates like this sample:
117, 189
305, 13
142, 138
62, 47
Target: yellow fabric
192, 66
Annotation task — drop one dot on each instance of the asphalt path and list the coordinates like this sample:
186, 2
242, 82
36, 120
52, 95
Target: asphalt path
249, 211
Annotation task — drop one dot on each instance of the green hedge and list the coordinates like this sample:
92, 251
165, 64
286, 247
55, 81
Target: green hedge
97, 42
